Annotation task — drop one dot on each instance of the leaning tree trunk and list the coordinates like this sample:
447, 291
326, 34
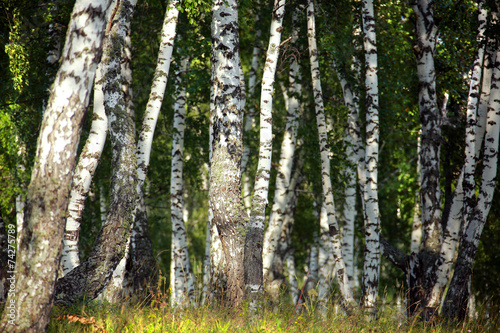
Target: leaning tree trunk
84, 172
255, 233
226, 204
421, 266
463, 200
272, 235
88, 279
455, 304
181, 277
141, 260
48, 193
118, 287
330, 232
371, 267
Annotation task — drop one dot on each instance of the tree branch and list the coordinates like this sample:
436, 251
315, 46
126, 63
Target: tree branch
395, 256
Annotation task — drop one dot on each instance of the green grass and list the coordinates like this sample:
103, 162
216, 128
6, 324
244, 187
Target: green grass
105, 317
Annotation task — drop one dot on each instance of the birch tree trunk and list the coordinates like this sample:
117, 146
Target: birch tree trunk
421, 272
84, 172
250, 114
355, 156
255, 233
226, 204
88, 279
142, 262
332, 231
181, 279
48, 192
462, 206
455, 304
287, 152
371, 267
118, 287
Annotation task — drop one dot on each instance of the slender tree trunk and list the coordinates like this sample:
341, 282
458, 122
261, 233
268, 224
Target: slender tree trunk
88, 279
355, 152
457, 297
181, 284
371, 267
84, 172
463, 201
332, 232
250, 114
255, 233
226, 204
272, 235
48, 193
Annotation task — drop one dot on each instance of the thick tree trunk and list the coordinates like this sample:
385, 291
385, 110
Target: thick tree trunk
371, 267
48, 193
332, 232
118, 287
226, 204
255, 234
88, 279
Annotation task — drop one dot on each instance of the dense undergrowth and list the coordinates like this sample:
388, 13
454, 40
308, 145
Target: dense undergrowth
159, 317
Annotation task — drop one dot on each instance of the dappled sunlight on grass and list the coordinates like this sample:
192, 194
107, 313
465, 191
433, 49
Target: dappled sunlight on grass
105, 317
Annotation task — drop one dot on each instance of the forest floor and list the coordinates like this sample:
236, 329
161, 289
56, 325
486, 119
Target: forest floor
103, 317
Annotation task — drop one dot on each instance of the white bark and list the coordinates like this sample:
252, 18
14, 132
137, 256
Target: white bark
355, 153
84, 172
460, 210
48, 193
157, 90
181, 281
263, 174
272, 234
333, 231
457, 296
469, 184
371, 266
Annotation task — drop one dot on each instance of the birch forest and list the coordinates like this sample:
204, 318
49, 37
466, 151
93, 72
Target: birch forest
330, 159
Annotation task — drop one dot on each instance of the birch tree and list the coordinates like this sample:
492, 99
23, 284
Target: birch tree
48, 193
255, 233
287, 152
330, 232
88, 279
371, 267
84, 172
229, 215
181, 278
